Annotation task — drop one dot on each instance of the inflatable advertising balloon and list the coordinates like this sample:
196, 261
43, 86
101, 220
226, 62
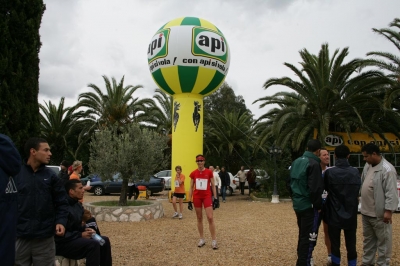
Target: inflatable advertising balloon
188, 58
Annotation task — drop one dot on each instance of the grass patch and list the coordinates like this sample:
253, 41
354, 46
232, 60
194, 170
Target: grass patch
114, 203
260, 194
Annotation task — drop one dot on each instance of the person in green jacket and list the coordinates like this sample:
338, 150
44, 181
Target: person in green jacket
307, 186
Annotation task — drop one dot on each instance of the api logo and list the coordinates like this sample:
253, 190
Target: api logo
210, 44
333, 140
158, 46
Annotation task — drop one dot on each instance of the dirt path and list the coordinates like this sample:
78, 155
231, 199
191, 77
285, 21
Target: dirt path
248, 233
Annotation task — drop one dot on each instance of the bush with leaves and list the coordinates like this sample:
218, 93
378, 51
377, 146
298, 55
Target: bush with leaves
130, 151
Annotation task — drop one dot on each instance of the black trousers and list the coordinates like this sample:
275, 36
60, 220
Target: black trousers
350, 239
132, 189
252, 186
86, 248
241, 184
308, 222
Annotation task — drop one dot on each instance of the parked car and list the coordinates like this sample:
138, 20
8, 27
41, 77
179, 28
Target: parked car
154, 185
91, 177
113, 185
260, 175
232, 186
55, 168
166, 175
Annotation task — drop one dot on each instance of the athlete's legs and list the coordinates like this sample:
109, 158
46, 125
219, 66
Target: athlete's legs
211, 224
199, 214
174, 204
181, 204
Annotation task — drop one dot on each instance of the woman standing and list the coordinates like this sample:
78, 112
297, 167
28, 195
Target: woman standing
201, 181
179, 191
225, 182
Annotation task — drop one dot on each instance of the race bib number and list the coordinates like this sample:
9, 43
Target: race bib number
201, 184
176, 183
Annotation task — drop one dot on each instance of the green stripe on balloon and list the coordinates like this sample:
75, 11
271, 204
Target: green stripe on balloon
215, 83
162, 27
187, 77
159, 78
191, 21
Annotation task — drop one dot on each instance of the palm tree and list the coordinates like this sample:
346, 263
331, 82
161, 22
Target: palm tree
330, 94
389, 62
228, 137
117, 106
56, 123
160, 115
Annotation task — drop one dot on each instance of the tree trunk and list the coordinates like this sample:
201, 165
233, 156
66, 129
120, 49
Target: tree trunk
124, 192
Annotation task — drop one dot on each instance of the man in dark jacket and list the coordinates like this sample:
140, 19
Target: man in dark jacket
42, 207
307, 186
342, 182
63, 174
225, 182
10, 165
251, 179
77, 243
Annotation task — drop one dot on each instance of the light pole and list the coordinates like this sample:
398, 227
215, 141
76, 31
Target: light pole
275, 151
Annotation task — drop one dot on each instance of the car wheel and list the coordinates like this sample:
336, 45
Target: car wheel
229, 191
98, 191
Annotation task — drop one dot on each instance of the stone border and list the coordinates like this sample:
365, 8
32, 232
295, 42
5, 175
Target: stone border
152, 211
268, 199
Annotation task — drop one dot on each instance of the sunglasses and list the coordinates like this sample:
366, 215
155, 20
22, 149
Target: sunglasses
198, 161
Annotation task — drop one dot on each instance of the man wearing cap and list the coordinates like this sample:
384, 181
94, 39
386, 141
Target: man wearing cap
63, 174
201, 180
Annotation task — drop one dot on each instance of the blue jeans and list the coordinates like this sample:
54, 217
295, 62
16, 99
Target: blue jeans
223, 192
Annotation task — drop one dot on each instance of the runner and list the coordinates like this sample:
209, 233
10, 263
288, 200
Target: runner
201, 180
179, 191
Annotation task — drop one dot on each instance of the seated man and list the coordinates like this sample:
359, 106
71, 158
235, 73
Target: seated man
77, 243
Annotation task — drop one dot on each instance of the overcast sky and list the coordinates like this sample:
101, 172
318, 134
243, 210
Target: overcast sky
83, 40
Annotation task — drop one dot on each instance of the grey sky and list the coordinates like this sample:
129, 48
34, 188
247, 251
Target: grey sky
83, 40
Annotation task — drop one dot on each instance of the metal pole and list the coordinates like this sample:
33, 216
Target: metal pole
275, 188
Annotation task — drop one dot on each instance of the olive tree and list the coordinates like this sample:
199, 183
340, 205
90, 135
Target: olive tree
130, 151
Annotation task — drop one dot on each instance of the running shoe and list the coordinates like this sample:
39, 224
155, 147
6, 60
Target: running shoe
201, 243
214, 244
180, 216
329, 261
312, 262
175, 215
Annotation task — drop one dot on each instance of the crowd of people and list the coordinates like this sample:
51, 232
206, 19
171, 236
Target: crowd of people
331, 194
43, 215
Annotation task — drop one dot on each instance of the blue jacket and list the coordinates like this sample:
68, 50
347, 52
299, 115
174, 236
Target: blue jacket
42, 202
74, 227
306, 182
10, 165
342, 182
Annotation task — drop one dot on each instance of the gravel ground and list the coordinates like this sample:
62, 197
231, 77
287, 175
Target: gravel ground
248, 233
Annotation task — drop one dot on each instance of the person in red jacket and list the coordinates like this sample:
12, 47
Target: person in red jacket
201, 180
